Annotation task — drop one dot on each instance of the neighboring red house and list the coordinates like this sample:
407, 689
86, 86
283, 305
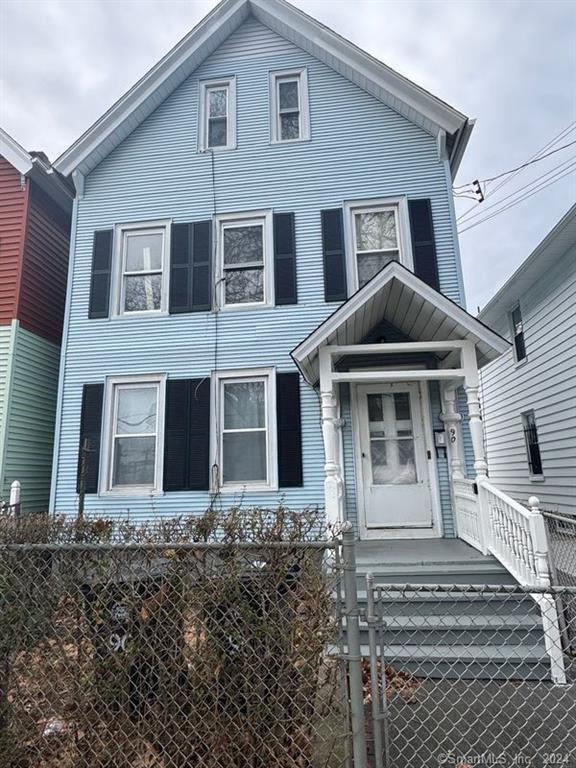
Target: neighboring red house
35, 208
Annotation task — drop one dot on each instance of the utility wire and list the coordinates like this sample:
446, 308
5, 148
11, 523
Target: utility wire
554, 140
539, 188
519, 192
559, 136
520, 167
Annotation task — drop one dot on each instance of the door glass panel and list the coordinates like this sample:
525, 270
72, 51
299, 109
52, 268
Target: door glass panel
391, 438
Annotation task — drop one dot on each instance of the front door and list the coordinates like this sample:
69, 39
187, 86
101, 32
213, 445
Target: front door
394, 457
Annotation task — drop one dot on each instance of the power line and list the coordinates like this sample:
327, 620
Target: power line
540, 188
520, 167
554, 140
521, 191
559, 136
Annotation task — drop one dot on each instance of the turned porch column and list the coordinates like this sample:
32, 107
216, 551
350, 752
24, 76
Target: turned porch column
331, 428
471, 387
452, 421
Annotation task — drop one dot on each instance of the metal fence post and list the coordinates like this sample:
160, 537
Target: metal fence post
354, 650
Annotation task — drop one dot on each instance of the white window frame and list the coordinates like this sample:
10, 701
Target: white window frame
301, 77
220, 378
121, 233
526, 417
400, 207
205, 86
113, 385
223, 221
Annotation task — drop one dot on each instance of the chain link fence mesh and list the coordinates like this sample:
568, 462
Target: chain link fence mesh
561, 530
463, 676
196, 643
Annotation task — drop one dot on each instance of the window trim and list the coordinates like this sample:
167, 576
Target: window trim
400, 206
204, 87
301, 75
108, 434
117, 287
518, 360
525, 416
238, 219
217, 423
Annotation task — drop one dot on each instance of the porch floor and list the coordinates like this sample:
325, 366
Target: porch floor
429, 561
418, 551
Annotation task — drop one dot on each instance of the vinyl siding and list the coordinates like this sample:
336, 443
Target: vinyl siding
30, 426
546, 384
359, 148
6, 335
12, 218
43, 286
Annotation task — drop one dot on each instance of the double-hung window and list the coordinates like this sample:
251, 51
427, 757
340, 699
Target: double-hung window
289, 105
217, 128
518, 334
246, 429
378, 235
134, 434
532, 444
143, 268
244, 260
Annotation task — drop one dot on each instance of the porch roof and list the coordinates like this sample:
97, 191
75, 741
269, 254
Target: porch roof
396, 295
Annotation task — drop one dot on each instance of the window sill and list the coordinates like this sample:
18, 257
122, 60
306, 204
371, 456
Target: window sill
520, 363
537, 478
247, 488
205, 150
303, 140
135, 492
140, 315
234, 307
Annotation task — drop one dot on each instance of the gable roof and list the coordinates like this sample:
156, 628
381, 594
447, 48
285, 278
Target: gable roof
36, 166
416, 104
396, 295
554, 246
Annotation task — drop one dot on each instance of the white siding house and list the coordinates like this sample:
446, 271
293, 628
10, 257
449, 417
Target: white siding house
529, 393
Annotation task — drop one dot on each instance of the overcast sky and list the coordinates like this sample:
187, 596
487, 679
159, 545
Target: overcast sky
511, 65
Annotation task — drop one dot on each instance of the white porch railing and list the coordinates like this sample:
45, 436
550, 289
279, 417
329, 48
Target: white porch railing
494, 523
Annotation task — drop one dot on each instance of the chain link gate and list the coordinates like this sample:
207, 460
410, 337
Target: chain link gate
461, 675
561, 532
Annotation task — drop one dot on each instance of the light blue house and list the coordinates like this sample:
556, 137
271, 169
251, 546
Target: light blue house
265, 300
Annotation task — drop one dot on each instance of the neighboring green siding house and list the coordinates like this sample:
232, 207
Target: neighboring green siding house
35, 204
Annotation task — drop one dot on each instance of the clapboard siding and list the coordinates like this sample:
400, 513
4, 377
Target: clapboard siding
44, 269
29, 432
12, 218
359, 148
545, 383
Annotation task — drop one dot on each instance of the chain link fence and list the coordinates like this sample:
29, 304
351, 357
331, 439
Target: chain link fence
561, 530
197, 643
467, 676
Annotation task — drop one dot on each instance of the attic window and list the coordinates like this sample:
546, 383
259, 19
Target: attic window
217, 114
289, 106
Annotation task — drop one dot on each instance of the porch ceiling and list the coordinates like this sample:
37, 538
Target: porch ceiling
402, 299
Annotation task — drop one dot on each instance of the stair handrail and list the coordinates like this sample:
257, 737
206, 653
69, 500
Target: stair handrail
515, 534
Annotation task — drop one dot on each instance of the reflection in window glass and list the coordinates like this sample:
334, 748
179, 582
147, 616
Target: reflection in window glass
244, 432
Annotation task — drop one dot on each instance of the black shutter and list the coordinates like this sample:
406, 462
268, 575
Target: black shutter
334, 255
285, 259
90, 430
190, 267
101, 269
423, 245
187, 435
289, 427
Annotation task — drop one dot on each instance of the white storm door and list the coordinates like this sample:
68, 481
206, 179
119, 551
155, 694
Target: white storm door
394, 457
